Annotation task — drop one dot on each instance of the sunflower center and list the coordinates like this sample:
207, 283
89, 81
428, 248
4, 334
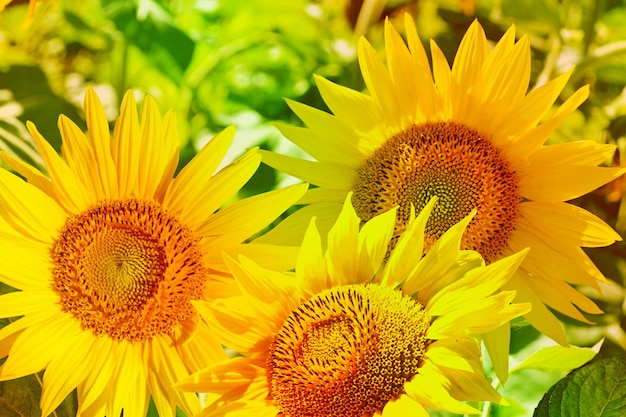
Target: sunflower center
459, 166
127, 269
347, 352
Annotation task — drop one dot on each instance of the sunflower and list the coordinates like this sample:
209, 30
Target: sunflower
471, 135
108, 251
353, 334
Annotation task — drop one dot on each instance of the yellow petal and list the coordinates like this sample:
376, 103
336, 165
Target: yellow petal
32, 175
539, 316
247, 217
26, 263
380, 86
454, 353
565, 222
567, 261
531, 109
28, 209
442, 76
522, 145
264, 284
311, 264
404, 406
322, 195
66, 371
280, 258
169, 153
37, 345
150, 149
94, 389
408, 251
470, 57
126, 145
428, 387
343, 246
80, 157
563, 298
497, 343
130, 381
167, 368
202, 341
223, 377
324, 174
291, 230
195, 175
373, 242
432, 272
20, 303
486, 315
326, 138
70, 193
554, 183
207, 195
353, 108
505, 85
100, 136
477, 284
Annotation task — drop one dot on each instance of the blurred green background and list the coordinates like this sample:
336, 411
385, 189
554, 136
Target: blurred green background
220, 63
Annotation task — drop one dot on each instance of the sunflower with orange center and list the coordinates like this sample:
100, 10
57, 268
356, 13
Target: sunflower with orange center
358, 331
474, 137
108, 250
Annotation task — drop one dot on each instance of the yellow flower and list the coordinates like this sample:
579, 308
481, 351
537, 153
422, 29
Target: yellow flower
352, 335
472, 136
108, 251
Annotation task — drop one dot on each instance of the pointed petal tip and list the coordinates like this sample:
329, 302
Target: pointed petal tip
91, 98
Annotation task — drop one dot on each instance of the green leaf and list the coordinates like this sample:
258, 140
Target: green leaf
537, 16
596, 390
556, 358
20, 398
154, 33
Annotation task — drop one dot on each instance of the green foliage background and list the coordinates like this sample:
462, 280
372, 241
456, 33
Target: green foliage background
218, 63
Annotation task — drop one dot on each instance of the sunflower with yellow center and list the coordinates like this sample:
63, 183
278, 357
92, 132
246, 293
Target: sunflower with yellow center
357, 331
108, 250
471, 135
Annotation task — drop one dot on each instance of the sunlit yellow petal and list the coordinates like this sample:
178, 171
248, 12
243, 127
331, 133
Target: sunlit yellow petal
355, 108
65, 372
28, 209
68, 190
429, 388
291, 230
100, 137
310, 267
568, 223
194, 176
215, 192
36, 346
327, 174
373, 243
539, 315
379, 83
497, 342
404, 406
26, 264
245, 218
19, 303
343, 246
125, 146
